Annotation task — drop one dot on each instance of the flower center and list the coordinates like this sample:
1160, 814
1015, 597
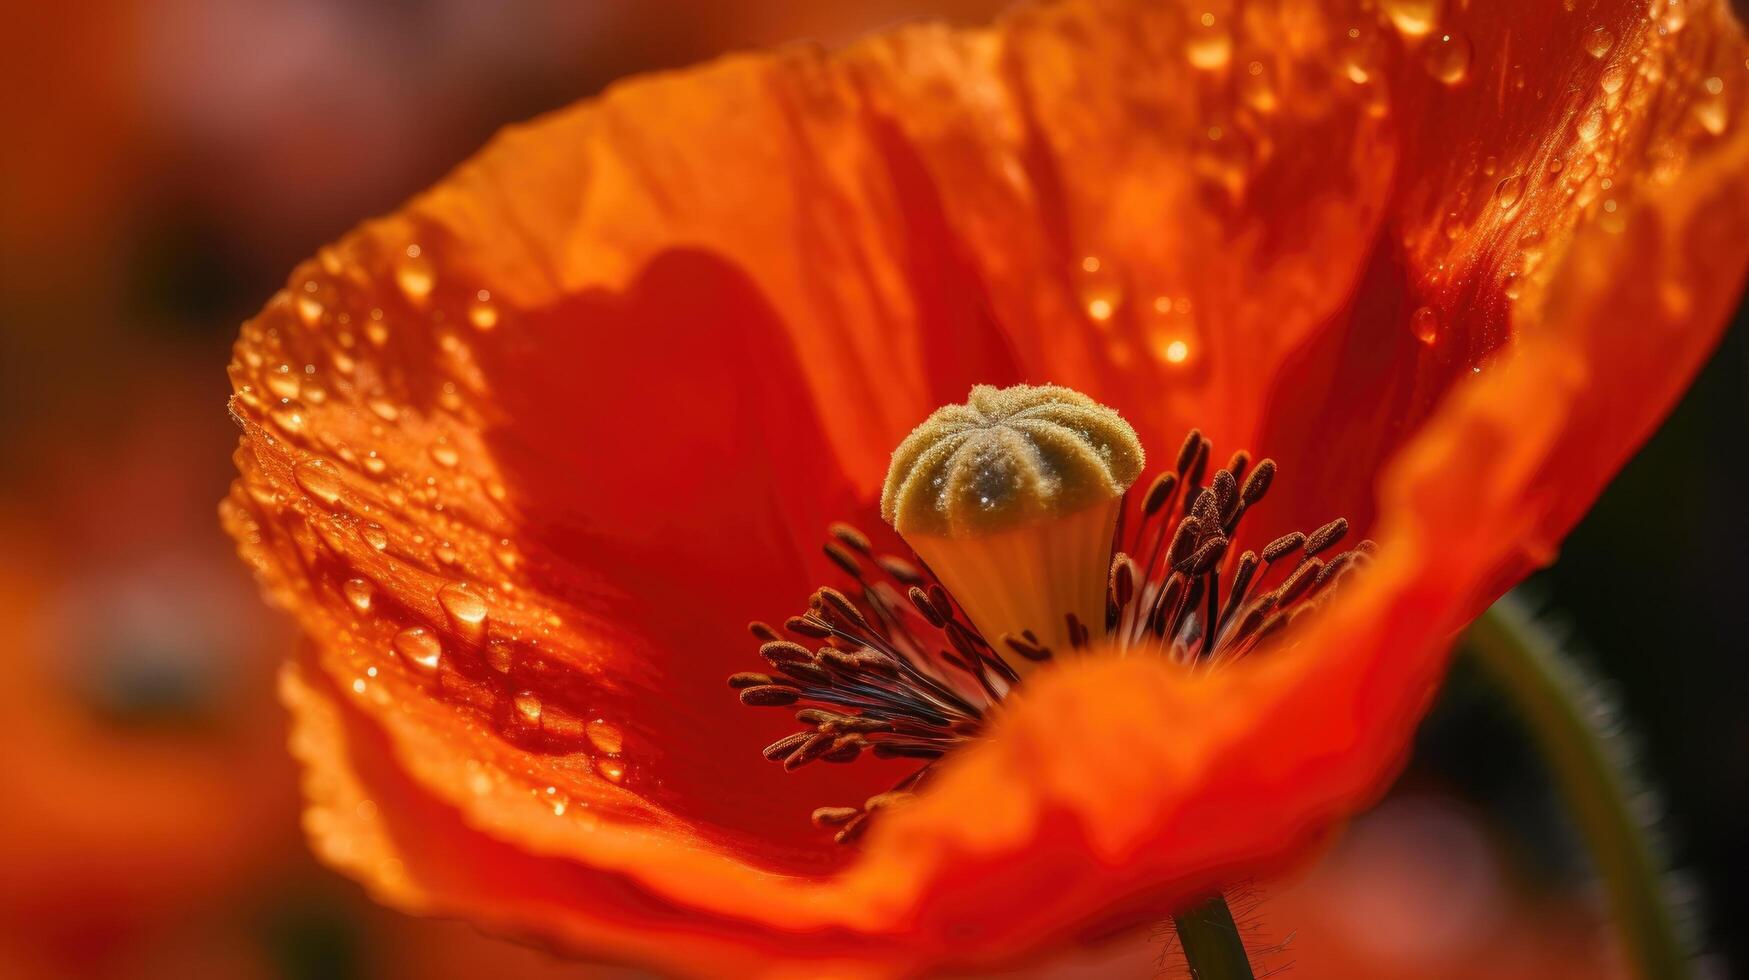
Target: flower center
1015, 505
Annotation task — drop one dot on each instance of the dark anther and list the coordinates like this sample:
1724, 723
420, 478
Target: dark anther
748, 678
780, 749
920, 599
842, 557
843, 611
900, 569
1327, 535
835, 816
1187, 452
1237, 464
1158, 492
1205, 557
803, 626
1123, 579
1301, 580
939, 599
1257, 484
769, 696
1286, 544
1026, 648
851, 537
761, 631
785, 652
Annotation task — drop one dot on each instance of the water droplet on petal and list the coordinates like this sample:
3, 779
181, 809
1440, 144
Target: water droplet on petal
384, 409
463, 606
1613, 78
309, 310
1358, 55
415, 276
359, 593
1257, 89
1598, 41
1710, 110
483, 315
1412, 18
1448, 58
528, 707
1209, 46
1675, 16
283, 383
373, 535
319, 480
445, 454
1101, 291
1425, 323
420, 648
605, 736
1508, 192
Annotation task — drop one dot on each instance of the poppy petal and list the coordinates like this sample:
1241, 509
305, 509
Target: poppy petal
521, 457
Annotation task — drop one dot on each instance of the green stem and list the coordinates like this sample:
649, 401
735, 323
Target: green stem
1210, 938
1552, 699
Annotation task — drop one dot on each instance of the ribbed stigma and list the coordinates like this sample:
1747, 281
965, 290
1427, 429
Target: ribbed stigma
894, 665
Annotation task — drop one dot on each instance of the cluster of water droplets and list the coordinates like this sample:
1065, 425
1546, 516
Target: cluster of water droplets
403, 510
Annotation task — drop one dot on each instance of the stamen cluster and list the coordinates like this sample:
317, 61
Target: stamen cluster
1171, 601
896, 668
897, 675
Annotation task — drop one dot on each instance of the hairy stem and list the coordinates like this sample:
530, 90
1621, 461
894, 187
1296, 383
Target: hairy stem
1555, 703
1210, 939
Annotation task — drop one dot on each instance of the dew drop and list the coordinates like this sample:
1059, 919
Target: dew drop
463, 606
415, 276
482, 314
418, 647
1209, 46
528, 707
613, 769
1710, 111
374, 464
1613, 78
1590, 125
605, 736
1257, 89
374, 536
1425, 322
1508, 192
309, 310
1598, 41
384, 409
359, 593
1412, 18
1358, 55
1101, 292
283, 383
289, 419
1675, 16
1448, 58
445, 454
319, 480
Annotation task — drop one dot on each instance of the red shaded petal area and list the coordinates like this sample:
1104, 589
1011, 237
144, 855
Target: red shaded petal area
524, 457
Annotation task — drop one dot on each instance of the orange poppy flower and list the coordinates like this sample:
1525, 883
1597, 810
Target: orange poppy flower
523, 457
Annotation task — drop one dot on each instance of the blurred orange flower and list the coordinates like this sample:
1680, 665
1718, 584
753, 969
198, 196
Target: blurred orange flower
523, 457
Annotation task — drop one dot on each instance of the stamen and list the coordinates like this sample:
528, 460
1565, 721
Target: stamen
1015, 504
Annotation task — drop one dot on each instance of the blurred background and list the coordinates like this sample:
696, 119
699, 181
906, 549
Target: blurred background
165, 164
